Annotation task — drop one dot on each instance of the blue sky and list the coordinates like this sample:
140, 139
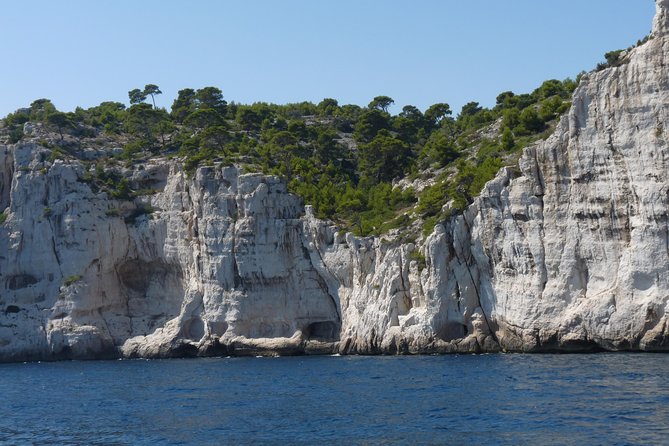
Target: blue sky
83, 52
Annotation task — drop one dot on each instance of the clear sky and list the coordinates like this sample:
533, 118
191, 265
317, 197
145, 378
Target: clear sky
419, 52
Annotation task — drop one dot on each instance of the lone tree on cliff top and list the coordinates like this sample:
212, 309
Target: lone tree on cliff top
381, 103
60, 121
152, 90
138, 96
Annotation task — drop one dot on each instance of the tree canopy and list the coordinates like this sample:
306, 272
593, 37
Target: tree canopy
138, 96
345, 160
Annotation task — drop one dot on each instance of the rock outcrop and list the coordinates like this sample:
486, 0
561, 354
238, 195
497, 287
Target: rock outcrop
567, 252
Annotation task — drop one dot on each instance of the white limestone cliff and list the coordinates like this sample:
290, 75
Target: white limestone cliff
570, 254
221, 256
570, 251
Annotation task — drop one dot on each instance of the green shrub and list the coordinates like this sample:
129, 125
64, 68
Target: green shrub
432, 199
418, 256
120, 190
71, 280
15, 135
507, 142
613, 59
55, 154
44, 143
132, 149
531, 121
428, 225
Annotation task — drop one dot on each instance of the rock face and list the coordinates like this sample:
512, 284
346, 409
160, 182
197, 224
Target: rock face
221, 256
570, 252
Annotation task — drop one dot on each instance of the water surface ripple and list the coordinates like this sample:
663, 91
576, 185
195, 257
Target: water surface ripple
489, 399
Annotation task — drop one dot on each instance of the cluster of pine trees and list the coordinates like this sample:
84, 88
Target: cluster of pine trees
342, 159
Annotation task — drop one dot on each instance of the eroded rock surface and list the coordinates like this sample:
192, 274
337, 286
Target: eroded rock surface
568, 252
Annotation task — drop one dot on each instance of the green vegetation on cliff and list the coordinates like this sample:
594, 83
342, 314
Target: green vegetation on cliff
345, 160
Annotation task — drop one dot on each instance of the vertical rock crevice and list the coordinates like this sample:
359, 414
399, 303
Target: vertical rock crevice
6, 176
570, 254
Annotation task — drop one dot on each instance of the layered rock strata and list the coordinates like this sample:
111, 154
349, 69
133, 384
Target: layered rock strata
567, 252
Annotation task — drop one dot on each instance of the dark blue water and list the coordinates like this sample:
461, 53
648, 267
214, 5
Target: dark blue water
491, 399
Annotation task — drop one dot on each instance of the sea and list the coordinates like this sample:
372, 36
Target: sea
499, 399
